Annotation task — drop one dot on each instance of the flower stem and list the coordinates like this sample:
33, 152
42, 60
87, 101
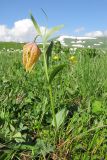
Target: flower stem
52, 106
49, 85
45, 64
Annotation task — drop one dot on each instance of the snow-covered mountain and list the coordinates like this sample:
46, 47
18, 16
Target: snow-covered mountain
81, 42
61, 38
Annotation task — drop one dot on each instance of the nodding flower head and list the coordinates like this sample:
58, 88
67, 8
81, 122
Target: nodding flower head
31, 53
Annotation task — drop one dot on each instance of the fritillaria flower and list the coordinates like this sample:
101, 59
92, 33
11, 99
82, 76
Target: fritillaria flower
31, 53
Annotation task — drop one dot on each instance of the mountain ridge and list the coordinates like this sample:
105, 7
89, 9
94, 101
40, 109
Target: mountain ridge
82, 42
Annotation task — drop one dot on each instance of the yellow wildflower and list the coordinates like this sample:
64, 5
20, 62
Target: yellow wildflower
73, 59
56, 57
31, 53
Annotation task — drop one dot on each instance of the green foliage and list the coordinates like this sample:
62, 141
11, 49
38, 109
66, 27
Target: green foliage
66, 50
51, 31
55, 71
35, 24
97, 107
91, 52
80, 96
57, 47
60, 117
49, 53
10, 45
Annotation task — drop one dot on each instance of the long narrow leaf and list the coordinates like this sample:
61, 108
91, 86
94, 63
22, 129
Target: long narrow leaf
35, 24
49, 52
44, 13
53, 38
55, 71
53, 30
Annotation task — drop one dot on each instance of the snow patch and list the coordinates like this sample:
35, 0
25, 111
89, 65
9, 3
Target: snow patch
61, 38
78, 45
97, 44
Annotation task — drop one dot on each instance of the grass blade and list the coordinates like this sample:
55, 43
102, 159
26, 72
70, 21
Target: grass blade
49, 52
35, 24
44, 13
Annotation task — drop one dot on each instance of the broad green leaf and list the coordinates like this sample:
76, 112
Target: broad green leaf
35, 24
60, 117
97, 107
55, 71
17, 135
49, 52
12, 128
19, 139
52, 31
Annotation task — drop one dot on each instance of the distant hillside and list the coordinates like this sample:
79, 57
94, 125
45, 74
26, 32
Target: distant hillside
8, 45
67, 41
83, 42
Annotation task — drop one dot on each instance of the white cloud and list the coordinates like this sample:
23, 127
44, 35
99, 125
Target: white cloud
97, 33
80, 29
22, 31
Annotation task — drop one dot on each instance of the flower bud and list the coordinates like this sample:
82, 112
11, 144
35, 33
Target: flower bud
31, 53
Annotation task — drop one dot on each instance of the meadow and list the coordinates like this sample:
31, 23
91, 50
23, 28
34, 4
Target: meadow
79, 92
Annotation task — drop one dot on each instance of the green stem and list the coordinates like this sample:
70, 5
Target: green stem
50, 88
45, 64
52, 106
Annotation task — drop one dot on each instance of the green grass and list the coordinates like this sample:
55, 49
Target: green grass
80, 90
8, 45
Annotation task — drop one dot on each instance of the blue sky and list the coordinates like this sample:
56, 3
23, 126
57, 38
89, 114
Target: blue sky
78, 16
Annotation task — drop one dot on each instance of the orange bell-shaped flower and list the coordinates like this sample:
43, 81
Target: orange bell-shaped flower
31, 53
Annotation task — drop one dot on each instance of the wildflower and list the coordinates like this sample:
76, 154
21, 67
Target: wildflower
31, 53
73, 59
56, 57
